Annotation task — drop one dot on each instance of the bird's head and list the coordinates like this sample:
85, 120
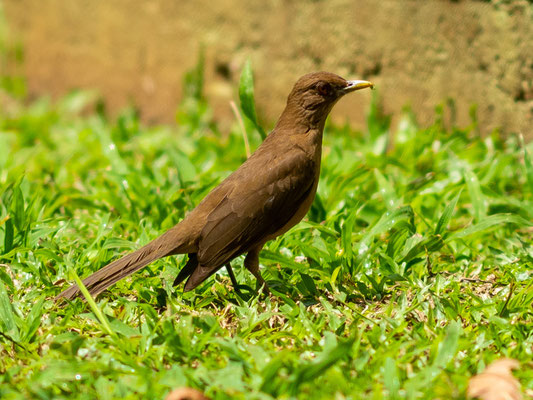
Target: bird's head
314, 95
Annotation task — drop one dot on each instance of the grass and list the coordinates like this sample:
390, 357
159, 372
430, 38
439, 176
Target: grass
412, 271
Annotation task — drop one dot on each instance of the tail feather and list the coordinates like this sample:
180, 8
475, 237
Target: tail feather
96, 283
186, 271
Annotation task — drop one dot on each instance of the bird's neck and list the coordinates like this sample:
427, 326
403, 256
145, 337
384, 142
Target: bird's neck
296, 118
300, 132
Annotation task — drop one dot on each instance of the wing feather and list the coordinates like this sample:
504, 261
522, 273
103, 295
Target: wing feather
256, 207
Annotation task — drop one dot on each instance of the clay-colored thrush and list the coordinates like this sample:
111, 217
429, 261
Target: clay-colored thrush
266, 196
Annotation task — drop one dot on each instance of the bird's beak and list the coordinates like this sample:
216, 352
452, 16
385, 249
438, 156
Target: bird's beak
352, 86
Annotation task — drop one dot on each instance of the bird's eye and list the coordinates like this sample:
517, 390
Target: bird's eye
324, 88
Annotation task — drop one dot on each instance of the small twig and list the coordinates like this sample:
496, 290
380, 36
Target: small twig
476, 280
243, 130
12, 340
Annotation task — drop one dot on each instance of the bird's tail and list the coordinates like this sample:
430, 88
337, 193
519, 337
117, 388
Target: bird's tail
165, 245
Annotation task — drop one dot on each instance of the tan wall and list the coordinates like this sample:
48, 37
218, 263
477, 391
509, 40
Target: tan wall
417, 52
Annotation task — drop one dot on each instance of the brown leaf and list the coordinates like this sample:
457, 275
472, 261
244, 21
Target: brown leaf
186, 394
496, 382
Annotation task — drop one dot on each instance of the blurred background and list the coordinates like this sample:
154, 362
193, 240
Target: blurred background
476, 54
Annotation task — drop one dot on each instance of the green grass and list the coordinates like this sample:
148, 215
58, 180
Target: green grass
412, 271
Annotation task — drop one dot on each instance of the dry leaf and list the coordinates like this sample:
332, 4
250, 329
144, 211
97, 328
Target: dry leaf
496, 382
186, 394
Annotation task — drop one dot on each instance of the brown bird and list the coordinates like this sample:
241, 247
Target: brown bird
266, 196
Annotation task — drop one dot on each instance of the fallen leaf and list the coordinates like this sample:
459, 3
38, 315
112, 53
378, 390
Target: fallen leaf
186, 394
496, 382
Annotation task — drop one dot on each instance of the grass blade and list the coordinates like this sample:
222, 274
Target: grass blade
8, 236
490, 222
386, 190
391, 378
17, 207
327, 359
385, 223
33, 320
346, 236
476, 196
448, 346
246, 96
7, 318
109, 148
444, 219
528, 165
99, 314
430, 244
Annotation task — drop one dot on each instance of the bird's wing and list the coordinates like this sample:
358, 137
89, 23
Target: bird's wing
255, 207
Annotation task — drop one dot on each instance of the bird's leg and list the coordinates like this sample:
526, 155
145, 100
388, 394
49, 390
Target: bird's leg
251, 262
232, 277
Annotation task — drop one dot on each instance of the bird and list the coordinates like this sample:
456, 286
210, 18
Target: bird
266, 196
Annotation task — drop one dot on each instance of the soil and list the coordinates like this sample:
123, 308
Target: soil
418, 53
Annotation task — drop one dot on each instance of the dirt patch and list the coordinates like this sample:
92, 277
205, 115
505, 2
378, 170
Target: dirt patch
418, 53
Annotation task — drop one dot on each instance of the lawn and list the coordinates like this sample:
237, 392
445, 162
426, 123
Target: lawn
411, 273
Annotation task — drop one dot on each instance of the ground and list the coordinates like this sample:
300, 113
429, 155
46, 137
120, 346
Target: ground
418, 53
412, 271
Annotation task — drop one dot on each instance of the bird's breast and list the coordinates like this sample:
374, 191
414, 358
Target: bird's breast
307, 201
299, 214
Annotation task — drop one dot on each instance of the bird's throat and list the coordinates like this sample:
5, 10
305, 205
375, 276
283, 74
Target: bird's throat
296, 118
